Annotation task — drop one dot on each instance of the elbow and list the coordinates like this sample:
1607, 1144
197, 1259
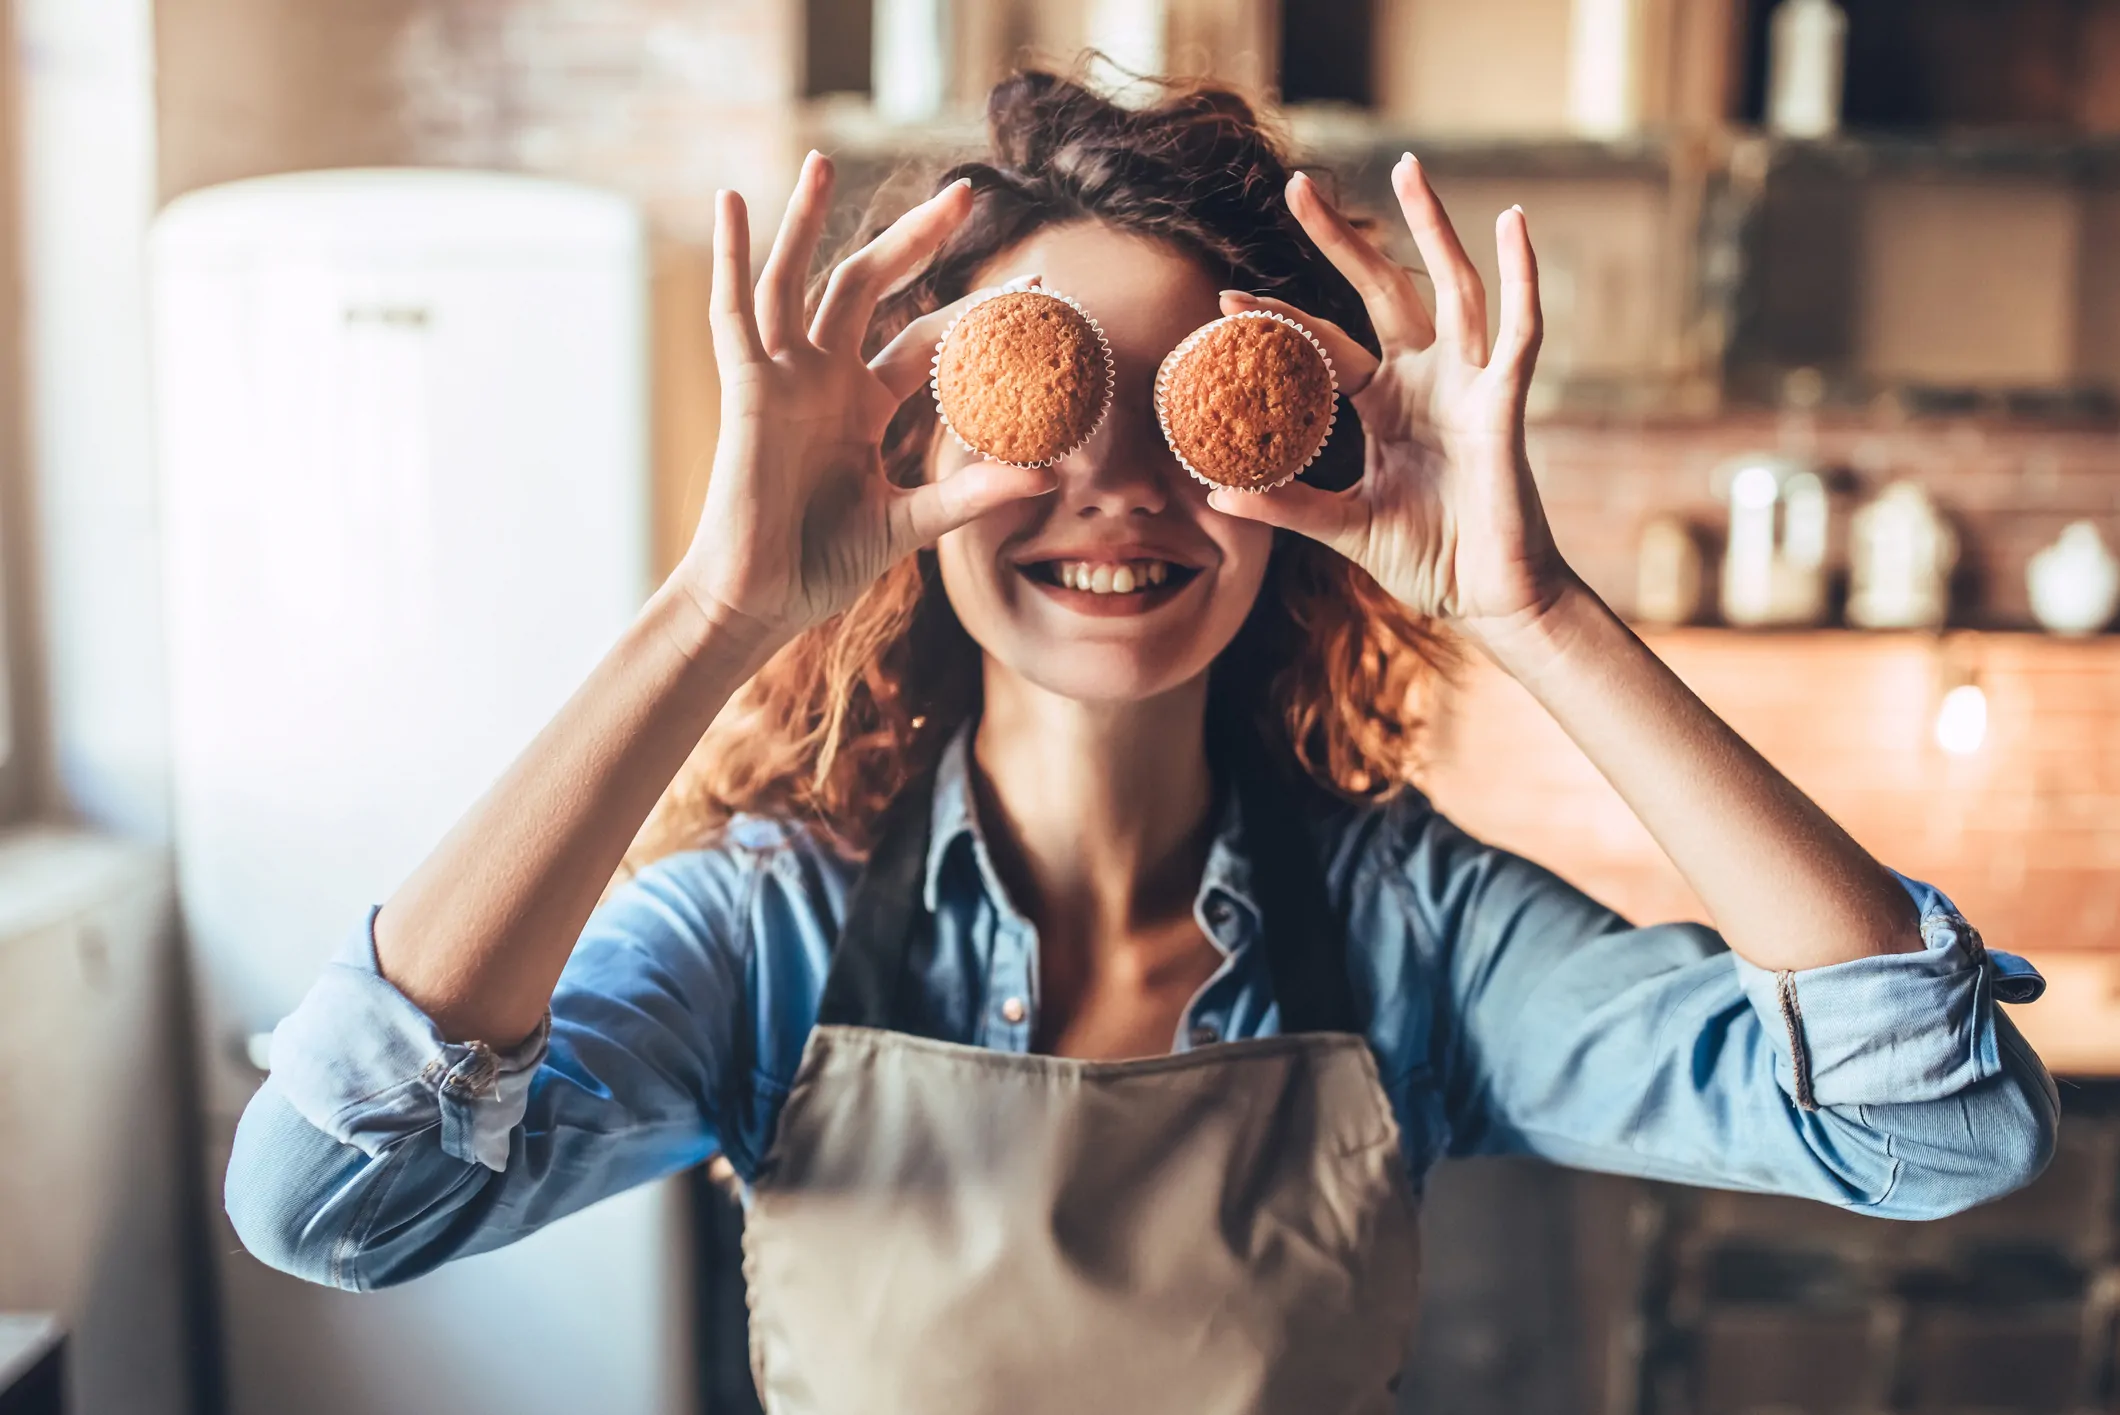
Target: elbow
287, 1195
2003, 1136
2026, 1124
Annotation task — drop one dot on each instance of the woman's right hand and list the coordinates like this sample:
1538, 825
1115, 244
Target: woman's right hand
799, 518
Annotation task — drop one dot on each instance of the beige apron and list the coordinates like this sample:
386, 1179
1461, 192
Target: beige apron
947, 1230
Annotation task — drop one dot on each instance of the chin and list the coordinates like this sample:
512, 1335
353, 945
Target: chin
1107, 674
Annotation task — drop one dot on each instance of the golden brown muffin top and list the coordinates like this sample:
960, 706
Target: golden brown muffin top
1022, 377
1247, 402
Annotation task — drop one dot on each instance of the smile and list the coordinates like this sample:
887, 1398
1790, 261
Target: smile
1110, 586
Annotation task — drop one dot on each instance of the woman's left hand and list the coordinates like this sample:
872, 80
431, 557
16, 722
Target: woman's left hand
1446, 515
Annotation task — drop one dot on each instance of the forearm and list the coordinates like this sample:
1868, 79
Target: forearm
1786, 886
477, 936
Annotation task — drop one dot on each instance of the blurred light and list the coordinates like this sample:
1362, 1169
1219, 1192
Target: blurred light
1961, 720
1755, 486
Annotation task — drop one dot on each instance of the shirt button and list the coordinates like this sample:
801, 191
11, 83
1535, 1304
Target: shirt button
1219, 913
1013, 1011
1204, 1036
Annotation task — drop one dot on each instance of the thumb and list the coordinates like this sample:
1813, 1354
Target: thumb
922, 514
1333, 517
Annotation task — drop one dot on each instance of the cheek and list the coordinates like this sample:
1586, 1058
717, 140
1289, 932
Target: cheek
1247, 549
969, 559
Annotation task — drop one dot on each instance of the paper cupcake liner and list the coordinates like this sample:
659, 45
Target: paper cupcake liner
1189, 343
1023, 285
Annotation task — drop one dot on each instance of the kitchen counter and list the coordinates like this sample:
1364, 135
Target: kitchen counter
32, 1350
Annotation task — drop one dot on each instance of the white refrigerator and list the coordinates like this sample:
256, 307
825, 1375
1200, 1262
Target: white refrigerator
402, 442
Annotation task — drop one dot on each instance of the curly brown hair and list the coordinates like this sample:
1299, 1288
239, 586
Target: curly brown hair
1328, 668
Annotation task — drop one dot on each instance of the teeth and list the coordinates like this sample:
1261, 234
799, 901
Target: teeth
1105, 577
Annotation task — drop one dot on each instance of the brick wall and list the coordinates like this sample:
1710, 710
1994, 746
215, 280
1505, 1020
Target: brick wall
2023, 834
2008, 487
663, 100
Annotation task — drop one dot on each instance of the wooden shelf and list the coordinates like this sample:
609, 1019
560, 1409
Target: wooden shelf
2023, 834
1692, 270
1999, 152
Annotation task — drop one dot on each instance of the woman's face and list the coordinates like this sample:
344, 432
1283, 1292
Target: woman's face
1124, 511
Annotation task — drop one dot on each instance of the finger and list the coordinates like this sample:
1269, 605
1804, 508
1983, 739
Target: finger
1352, 364
788, 267
1523, 323
850, 295
1460, 302
1334, 517
729, 311
1386, 288
922, 514
905, 363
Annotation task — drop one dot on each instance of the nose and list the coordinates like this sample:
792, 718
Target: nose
1118, 472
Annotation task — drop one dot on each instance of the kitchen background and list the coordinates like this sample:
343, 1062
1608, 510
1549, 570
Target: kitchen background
318, 491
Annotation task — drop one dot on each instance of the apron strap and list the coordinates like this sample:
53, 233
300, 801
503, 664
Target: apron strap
1305, 937
870, 982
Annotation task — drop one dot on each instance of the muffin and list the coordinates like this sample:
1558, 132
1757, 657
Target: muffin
1246, 401
1023, 376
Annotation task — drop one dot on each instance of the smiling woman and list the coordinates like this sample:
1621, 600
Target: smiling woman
1047, 935
1327, 664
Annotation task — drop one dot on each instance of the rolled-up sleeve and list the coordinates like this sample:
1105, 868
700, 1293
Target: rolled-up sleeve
1892, 1085
376, 1149
366, 1067
1895, 1028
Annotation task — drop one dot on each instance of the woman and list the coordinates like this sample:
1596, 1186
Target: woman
1071, 978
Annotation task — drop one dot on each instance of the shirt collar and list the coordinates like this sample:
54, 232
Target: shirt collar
954, 817
1228, 874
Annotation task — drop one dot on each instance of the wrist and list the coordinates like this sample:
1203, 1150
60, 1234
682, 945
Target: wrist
710, 634
1525, 644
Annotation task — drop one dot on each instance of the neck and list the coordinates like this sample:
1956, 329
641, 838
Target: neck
1099, 815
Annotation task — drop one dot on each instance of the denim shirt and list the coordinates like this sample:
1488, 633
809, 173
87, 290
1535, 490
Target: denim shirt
1508, 1013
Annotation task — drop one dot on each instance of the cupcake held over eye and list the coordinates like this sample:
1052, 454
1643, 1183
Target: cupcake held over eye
1023, 376
1247, 401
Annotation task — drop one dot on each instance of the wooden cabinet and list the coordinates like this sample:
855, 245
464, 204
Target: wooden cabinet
1952, 273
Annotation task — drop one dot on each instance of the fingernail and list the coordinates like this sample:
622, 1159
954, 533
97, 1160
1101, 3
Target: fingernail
1243, 295
1406, 157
